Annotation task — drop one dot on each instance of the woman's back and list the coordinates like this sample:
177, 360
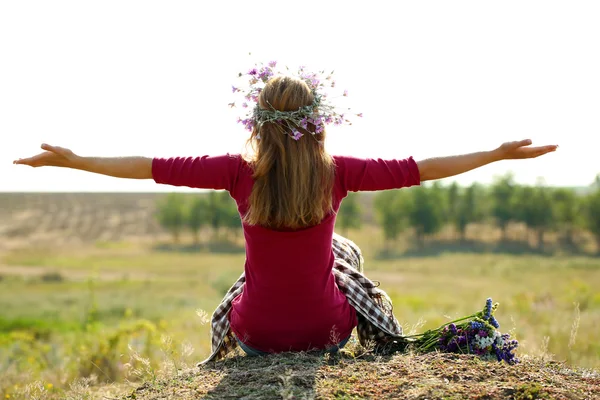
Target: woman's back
290, 300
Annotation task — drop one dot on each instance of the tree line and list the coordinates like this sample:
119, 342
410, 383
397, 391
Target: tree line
217, 211
541, 209
422, 210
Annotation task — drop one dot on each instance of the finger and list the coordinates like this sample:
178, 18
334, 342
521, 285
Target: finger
541, 150
24, 161
47, 147
28, 160
525, 142
546, 149
31, 161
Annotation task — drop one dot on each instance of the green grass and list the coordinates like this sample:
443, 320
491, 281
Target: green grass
135, 293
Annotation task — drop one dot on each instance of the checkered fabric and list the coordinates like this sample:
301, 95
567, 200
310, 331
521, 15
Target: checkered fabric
377, 326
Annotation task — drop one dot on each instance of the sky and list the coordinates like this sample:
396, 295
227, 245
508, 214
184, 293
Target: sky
432, 78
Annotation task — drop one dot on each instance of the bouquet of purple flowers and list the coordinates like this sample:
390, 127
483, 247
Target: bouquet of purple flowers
475, 334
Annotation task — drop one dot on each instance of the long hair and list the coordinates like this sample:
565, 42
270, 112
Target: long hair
293, 179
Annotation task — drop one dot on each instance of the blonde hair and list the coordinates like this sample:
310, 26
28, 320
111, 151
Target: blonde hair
293, 179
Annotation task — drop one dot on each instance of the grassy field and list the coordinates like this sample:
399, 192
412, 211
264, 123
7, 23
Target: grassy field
116, 306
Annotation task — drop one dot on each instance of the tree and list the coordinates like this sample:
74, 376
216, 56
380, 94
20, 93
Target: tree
503, 195
426, 212
568, 212
596, 184
592, 214
536, 210
222, 212
198, 216
390, 212
349, 214
171, 214
470, 209
453, 201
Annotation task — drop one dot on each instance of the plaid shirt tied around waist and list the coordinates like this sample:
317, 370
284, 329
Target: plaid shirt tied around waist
376, 327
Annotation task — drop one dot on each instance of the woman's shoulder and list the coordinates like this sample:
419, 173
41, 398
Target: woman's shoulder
243, 161
350, 158
343, 161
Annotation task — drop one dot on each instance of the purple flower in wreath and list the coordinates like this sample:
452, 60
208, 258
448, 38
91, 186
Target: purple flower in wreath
296, 135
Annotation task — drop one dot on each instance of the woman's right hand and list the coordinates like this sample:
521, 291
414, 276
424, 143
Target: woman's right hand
53, 156
119, 167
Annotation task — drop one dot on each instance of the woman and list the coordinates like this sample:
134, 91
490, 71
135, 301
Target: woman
294, 294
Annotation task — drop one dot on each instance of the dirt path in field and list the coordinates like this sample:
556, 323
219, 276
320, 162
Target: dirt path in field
72, 274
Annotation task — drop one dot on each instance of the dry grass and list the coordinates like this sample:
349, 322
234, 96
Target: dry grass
430, 376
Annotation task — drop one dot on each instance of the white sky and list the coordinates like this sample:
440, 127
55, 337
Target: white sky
433, 78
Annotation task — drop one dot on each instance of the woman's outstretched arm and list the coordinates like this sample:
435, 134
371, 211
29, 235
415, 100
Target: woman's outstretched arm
443, 167
119, 167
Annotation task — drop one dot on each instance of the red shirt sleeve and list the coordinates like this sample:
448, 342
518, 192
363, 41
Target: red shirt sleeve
205, 172
369, 174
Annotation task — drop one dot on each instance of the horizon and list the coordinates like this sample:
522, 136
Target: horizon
430, 81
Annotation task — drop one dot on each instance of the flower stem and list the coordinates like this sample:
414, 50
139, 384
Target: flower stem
441, 327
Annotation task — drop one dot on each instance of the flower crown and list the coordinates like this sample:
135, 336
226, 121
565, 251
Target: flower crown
319, 113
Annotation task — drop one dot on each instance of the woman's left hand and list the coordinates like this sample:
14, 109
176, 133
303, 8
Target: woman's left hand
521, 150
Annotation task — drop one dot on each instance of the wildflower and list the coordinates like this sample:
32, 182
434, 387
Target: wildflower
265, 74
476, 325
453, 328
304, 123
488, 309
296, 134
471, 334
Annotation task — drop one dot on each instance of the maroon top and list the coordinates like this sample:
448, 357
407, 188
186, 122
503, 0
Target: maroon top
290, 300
